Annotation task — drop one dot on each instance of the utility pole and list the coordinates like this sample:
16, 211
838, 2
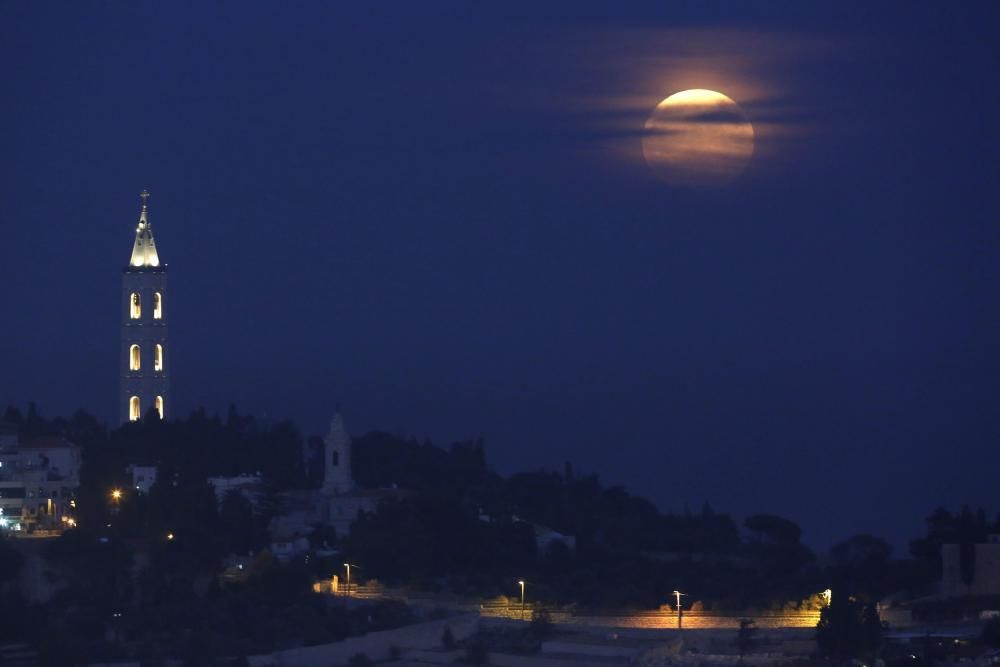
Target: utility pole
521, 582
680, 612
347, 591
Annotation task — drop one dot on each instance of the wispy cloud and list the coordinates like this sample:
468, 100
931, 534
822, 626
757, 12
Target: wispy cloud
600, 85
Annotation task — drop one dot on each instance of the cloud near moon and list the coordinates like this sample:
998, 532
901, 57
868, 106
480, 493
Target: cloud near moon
697, 137
615, 109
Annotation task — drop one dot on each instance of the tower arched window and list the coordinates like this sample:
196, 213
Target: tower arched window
159, 406
136, 306
336, 458
134, 358
158, 358
157, 306
133, 409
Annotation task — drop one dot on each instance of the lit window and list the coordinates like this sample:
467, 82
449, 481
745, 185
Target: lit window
157, 306
133, 409
158, 358
134, 358
159, 406
136, 306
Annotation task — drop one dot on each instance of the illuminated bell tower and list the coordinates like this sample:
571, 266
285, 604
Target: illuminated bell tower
144, 356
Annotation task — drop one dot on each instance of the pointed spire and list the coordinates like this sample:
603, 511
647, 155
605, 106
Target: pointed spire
144, 250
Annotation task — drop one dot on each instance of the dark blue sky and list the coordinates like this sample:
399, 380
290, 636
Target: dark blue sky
438, 218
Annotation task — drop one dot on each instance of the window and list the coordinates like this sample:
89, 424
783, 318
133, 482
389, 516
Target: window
159, 406
136, 306
158, 358
133, 409
157, 306
336, 458
134, 358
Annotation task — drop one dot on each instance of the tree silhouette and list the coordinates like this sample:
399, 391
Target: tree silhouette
746, 637
848, 628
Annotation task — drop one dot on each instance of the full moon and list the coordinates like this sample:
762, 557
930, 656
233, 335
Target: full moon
697, 137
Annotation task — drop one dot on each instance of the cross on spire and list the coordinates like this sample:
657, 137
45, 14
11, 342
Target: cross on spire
145, 196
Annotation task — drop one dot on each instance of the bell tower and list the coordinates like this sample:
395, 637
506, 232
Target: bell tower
144, 355
337, 478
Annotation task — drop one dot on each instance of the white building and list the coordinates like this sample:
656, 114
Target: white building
250, 486
38, 484
144, 358
143, 477
985, 572
338, 502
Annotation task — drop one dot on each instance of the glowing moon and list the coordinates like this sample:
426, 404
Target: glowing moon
697, 137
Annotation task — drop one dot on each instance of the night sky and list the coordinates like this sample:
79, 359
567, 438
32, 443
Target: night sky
438, 217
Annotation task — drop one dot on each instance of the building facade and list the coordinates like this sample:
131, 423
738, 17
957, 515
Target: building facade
337, 476
145, 304
337, 503
39, 480
143, 476
985, 569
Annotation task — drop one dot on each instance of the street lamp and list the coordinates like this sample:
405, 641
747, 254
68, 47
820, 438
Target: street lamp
521, 584
680, 612
116, 494
347, 591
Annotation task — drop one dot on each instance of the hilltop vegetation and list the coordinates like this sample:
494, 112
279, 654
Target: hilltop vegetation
459, 527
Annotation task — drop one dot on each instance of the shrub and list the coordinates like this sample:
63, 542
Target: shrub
476, 653
448, 638
541, 624
360, 660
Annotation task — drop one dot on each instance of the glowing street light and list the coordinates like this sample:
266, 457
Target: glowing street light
116, 494
170, 537
349, 566
521, 584
680, 612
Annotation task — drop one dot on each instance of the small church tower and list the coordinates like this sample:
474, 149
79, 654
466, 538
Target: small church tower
337, 478
145, 382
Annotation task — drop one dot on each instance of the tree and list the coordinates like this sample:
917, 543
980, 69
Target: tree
773, 529
10, 561
541, 624
862, 563
991, 633
848, 628
237, 523
746, 637
360, 660
476, 652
